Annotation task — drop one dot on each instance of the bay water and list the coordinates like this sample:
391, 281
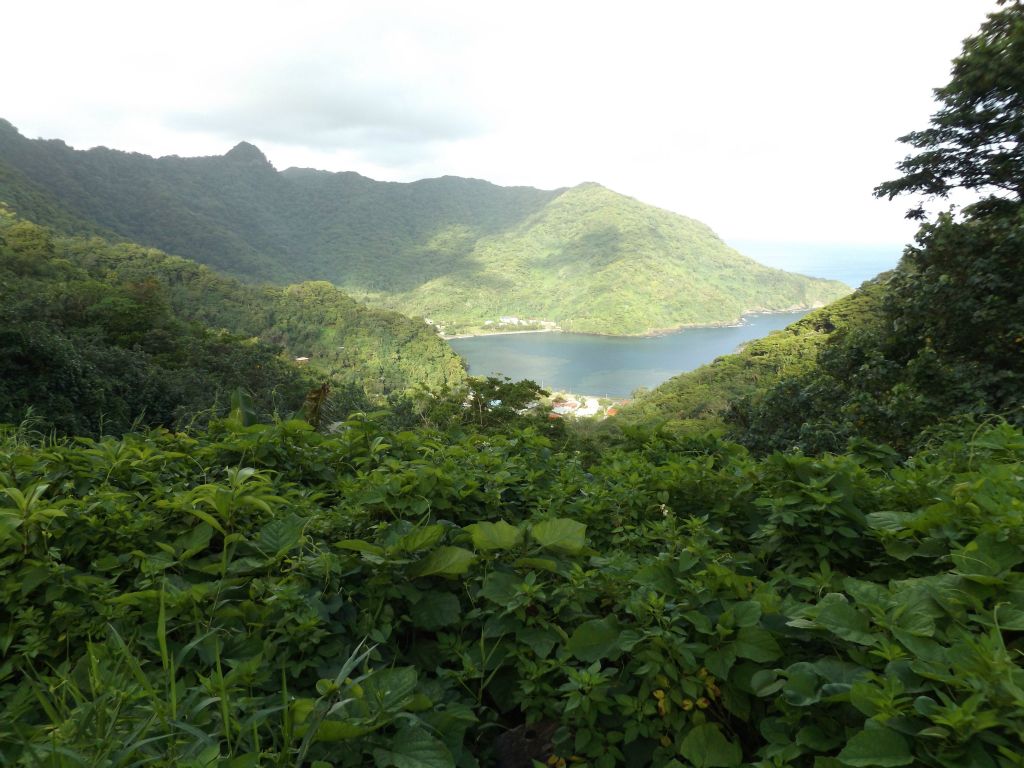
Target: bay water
611, 366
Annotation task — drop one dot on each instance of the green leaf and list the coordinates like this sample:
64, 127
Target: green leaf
706, 747
876, 747
561, 535
802, 685
205, 517
700, 622
192, 542
248, 760
540, 640
30, 578
765, 682
1007, 617
280, 535
843, 620
986, 558
358, 545
420, 538
539, 563
887, 521
499, 535
9, 522
720, 660
444, 561
500, 587
596, 639
746, 614
658, 576
435, 610
143, 597
338, 730
413, 748
756, 644
814, 737
389, 689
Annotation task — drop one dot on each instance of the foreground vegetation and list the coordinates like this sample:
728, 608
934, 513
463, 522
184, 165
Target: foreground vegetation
266, 595
457, 251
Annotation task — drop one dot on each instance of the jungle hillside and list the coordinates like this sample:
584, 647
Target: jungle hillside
458, 251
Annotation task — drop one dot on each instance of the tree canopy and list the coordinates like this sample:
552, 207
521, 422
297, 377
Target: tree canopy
974, 140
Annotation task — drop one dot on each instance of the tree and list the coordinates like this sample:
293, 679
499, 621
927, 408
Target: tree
976, 140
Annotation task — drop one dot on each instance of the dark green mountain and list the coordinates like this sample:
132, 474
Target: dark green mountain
459, 251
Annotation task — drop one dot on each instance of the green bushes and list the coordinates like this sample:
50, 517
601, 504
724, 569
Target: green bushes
267, 595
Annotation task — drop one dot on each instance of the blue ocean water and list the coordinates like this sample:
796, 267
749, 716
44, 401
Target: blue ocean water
853, 264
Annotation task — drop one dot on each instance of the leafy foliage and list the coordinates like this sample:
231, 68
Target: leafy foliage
974, 141
268, 595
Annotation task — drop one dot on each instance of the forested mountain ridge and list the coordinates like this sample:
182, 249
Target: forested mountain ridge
596, 261
98, 335
460, 251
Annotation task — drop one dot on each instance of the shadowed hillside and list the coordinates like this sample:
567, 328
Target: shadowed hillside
460, 251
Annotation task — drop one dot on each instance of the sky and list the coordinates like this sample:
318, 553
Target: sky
769, 121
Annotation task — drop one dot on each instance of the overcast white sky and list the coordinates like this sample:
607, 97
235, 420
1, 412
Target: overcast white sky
769, 121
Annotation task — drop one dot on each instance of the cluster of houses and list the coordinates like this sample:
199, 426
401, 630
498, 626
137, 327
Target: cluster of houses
512, 321
570, 406
581, 406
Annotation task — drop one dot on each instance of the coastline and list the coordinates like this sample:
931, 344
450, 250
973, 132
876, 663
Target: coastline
650, 334
497, 333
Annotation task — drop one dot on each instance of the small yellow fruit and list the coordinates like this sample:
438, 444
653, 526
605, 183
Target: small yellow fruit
666, 741
659, 694
687, 704
703, 703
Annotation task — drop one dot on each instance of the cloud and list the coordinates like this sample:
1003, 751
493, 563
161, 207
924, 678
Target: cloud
327, 107
765, 120
389, 84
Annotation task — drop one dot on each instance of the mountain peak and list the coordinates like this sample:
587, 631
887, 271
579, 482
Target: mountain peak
244, 152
